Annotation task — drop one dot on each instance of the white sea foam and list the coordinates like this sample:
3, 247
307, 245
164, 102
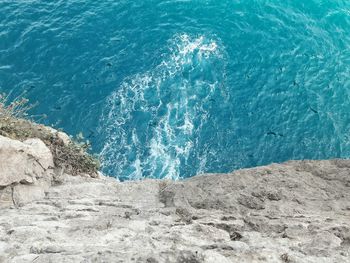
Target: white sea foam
151, 119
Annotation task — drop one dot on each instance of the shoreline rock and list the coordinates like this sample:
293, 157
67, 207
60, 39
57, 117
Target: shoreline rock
297, 211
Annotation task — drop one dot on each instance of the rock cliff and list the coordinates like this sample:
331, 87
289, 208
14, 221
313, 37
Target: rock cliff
298, 211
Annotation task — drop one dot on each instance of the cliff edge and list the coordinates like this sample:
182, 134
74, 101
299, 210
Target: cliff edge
298, 211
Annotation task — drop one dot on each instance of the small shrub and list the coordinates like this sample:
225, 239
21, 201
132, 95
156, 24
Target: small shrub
74, 158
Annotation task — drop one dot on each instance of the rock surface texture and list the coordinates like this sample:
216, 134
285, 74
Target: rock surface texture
298, 211
26, 170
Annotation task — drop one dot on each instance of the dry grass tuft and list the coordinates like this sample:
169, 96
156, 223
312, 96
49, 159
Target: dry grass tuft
18, 108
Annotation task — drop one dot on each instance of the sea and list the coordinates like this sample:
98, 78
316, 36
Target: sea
176, 88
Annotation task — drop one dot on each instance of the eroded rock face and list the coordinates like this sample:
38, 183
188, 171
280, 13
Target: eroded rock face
23, 162
25, 170
293, 212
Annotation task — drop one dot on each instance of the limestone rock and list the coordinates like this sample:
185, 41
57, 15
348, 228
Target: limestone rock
23, 194
23, 162
40, 152
295, 212
64, 137
60, 135
6, 196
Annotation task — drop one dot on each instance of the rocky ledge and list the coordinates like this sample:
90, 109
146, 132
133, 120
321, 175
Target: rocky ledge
298, 211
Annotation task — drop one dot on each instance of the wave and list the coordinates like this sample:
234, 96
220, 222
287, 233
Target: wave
153, 121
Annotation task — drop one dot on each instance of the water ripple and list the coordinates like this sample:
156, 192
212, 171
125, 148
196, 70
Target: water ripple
175, 88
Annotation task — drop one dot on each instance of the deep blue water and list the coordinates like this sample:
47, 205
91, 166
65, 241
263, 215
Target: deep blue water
176, 88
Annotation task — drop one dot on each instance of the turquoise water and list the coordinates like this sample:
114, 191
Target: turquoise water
176, 88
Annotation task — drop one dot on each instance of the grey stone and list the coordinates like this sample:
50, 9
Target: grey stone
23, 162
246, 216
